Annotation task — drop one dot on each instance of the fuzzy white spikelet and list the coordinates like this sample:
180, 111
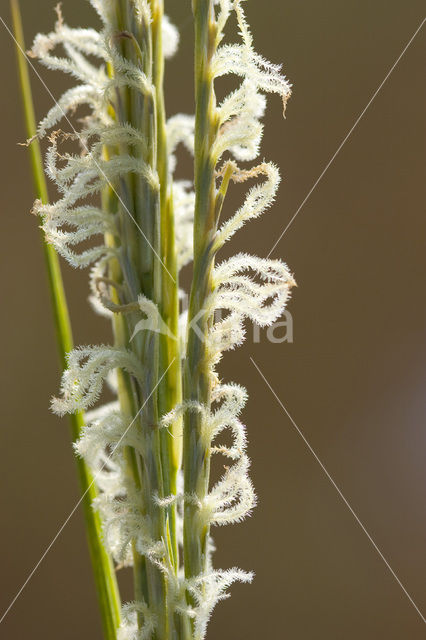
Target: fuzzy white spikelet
87, 369
129, 629
208, 590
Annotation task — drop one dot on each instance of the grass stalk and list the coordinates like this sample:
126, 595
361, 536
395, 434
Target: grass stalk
170, 391
148, 271
104, 574
196, 378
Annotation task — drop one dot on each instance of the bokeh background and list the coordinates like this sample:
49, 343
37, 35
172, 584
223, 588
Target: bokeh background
353, 379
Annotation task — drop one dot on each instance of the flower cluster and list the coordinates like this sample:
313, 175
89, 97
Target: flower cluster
143, 513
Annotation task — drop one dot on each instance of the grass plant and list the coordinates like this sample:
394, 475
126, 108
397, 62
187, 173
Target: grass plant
144, 459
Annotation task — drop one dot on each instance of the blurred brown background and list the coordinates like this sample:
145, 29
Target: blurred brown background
352, 380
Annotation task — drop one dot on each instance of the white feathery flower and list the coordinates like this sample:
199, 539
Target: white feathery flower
75, 65
87, 221
87, 369
69, 101
232, 498
106, 430
208, 590
129, 628
258, 199
262, 302
225, 335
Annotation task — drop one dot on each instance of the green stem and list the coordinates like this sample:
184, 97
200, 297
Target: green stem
104, 574
143, 273
197, 385
170, 391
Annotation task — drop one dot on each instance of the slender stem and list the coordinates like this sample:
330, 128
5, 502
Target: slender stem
145, 272
104, 574
170, 391
197, 385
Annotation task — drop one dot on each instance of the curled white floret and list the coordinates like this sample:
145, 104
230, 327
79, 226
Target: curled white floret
65, 227
208, 590
257, 201
242, 60
129, 628
83, 380
262, 300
